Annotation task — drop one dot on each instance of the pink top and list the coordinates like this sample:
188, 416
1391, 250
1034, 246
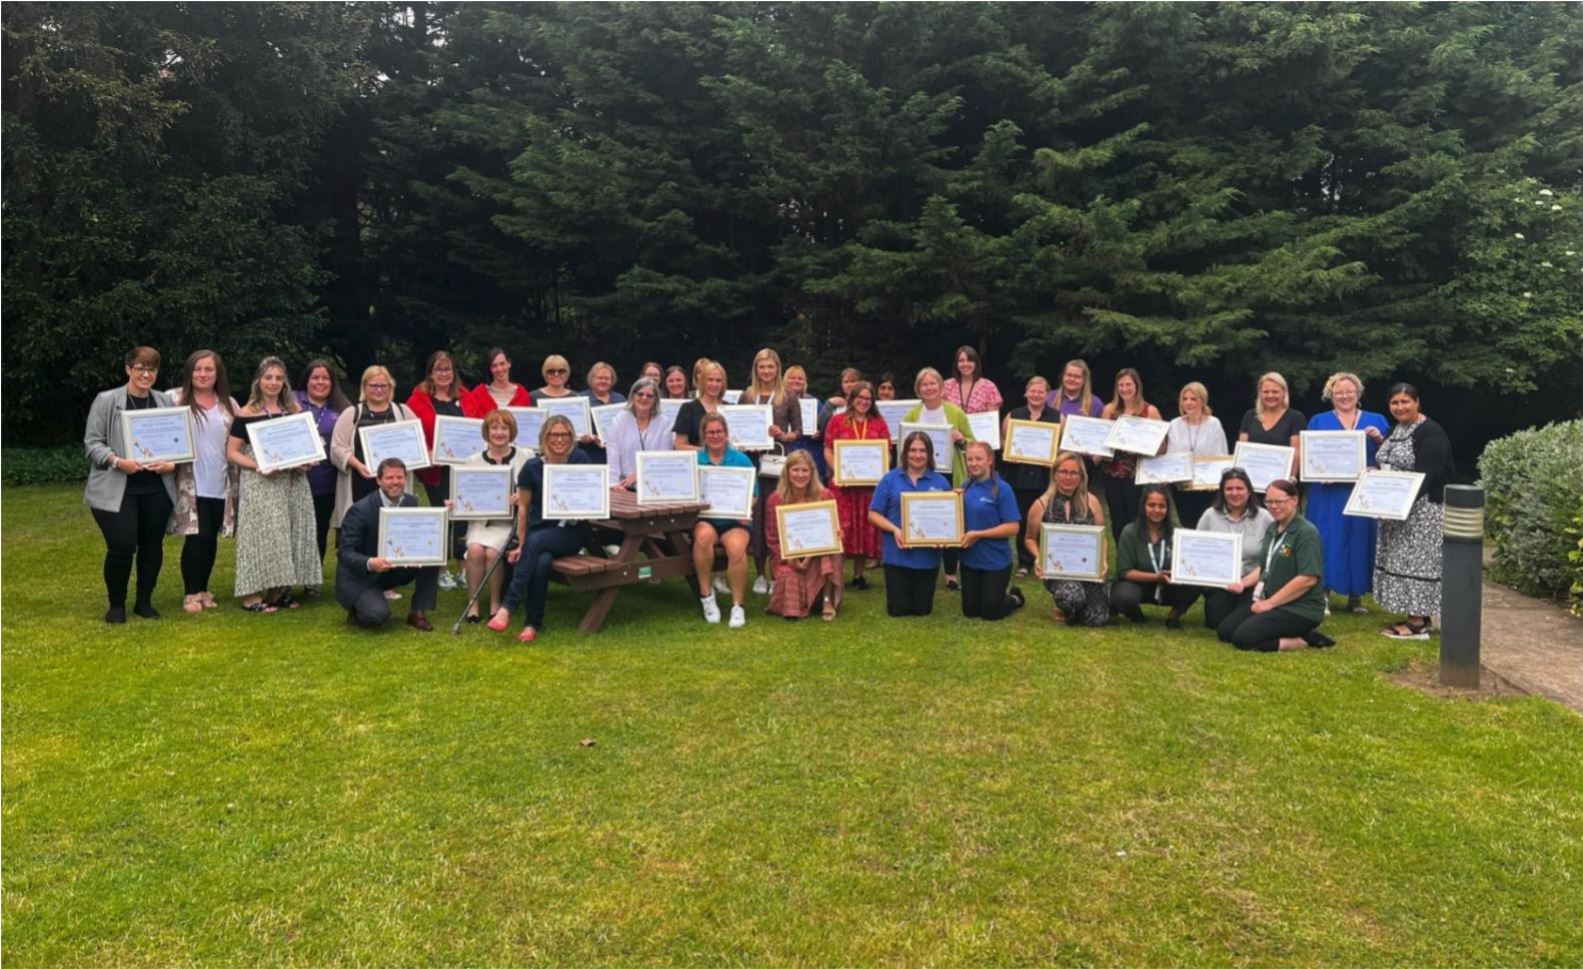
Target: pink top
985, 396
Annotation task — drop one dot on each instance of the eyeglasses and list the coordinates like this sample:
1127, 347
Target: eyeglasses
558, 436
1277, 501
645, 395
1069, 473
378, 386
144, 368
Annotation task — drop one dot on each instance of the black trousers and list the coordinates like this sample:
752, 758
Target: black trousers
373, 609
1121, 502
1218, 604
909, 592
984, 593
530, 583
198, 551
1025, 499
323, 511
135, 530
1261, 633
1128, 597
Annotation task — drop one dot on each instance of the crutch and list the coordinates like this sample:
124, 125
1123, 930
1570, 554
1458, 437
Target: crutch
511, 543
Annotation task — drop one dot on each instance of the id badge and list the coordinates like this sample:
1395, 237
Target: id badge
1258, 591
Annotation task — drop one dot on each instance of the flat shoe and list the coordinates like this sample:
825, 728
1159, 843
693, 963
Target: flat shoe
528, 635
497, 625
474, 618
192, 604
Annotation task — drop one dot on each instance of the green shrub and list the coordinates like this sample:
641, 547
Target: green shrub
43, 465
1576, 555
1532, 481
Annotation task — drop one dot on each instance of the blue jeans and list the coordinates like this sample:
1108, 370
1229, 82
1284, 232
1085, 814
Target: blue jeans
531, 580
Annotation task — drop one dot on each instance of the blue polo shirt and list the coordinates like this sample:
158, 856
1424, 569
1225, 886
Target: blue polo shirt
732, 458
980, 510
887, 501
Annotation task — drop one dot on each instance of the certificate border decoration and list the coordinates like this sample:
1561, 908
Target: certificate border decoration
645, 456
1356, 503
191, 454
912, 497
1223, 460
552, 471
711, 469
1249, 447
1073, 420
1012, 426
303, 417
441, 517
500, 469
413, 426
1119, 428
907, 427
1234, 539
846, 444
476, 423
807, 506
1101, 568
1145, 458
729, 411
1363, 451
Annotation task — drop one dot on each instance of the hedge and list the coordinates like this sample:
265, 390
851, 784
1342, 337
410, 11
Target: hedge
1533, 482
43, 465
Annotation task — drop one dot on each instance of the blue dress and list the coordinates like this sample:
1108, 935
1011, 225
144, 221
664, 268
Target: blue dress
1348, 541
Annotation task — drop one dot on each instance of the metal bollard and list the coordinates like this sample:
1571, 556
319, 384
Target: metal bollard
1462, 586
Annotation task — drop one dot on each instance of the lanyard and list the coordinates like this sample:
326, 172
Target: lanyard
1269, 557
1158, 561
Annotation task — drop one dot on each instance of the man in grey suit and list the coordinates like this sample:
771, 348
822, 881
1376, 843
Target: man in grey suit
362, 576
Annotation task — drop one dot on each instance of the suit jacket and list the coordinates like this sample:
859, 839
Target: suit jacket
102, 440
359, 543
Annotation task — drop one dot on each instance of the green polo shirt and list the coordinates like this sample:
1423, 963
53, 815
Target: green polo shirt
1300, 552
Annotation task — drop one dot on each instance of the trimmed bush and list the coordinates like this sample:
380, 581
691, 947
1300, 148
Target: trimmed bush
1533, 481
43, 465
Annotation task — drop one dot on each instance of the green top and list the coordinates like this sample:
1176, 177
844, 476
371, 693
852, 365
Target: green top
1132, 551
1300, 553
957, 418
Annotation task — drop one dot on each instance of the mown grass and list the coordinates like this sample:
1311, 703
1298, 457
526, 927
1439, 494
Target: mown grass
233, 789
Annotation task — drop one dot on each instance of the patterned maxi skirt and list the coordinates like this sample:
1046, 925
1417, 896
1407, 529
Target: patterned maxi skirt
275, 541
1407, 562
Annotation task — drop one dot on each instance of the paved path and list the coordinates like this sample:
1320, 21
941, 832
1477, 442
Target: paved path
1536, 645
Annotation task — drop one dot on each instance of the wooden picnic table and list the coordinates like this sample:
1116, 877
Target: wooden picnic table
656, 543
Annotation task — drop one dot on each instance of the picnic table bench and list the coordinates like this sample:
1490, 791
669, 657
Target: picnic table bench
656, 543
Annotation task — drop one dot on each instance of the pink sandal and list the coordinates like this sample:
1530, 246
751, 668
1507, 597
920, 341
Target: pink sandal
528, 635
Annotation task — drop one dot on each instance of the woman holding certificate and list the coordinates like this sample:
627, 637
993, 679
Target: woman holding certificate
321, 396
206, 488
557, 373
1028, 481
1067, 501
1407, 563
1143, 563
711, 381
601, 392
275, 544
990, 519
130, 499
1349, 539
1196, 431
635, 429
812, 433
729, 534
859, 422
1117, 473
498, 391
910, 570
376, 406
487, 538
1077, 391
806, 581
1236, 510
1288, 604
1272, 420
935, 410
438, 394
768, 388
539, 541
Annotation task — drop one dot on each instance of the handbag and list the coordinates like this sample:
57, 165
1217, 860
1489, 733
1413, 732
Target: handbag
771, 463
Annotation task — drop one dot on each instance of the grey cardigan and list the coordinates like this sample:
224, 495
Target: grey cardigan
103, 442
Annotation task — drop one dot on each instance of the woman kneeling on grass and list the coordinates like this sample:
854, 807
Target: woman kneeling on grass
990, 519
800, 583
1067, 502
539, 542
1288, 598
910, 573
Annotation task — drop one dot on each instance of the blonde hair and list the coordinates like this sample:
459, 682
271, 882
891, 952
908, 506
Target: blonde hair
377, 370
701, 373
775, 390
795, 369
1036, 379
555, 420
1273, 378
1080, 495
926, 372
1336, 378
255, 394
1197, 390
1085, 398
815, 486
601, 365
557, 362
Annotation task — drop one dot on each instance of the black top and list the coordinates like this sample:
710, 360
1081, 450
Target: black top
1289, 426
1432, 456
1029, 477
142, 482
531, 480
447, 408
688, 419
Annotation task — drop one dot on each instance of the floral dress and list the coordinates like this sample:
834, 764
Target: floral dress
1407, 561
859, 536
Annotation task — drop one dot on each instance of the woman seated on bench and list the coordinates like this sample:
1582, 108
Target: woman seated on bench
727, 533
539, 542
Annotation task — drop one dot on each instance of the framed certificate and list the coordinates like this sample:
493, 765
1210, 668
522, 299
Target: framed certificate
574, 409
1263, 462
860, 463
576, 492
749, 425
414, 536
402, 439
1031, 442
481, 491
603, 416
160, 434
1211, 559
810, 528
1139, 435
1207, 469
529, 422
940, 434
986, 427
1072, 552
456, 439
730, 396
931, 518
1384, 494
1166, 468
667, 476
895, 411
669, 408
286, 442
1333, 455
1086, 435
810, 416
727, 492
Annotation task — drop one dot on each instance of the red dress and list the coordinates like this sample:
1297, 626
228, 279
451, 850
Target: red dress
859, 536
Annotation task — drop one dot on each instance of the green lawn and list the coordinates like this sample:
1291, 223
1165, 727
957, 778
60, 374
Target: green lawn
232, 789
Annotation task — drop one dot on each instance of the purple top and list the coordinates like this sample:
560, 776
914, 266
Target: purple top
321, 477
1069, 406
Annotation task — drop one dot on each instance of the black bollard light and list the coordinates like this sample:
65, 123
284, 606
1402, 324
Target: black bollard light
1462, 586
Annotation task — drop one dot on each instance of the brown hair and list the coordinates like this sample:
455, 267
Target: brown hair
222, 386
427, 383
1115, 393
142, 357
815, 486
502, 417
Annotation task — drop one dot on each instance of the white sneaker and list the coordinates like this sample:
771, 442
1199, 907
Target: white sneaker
447, 580
721, 585
761, 586
739, 617
712, 609
611, 551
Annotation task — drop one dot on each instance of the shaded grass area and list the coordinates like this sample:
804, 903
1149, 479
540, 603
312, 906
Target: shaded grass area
235, 789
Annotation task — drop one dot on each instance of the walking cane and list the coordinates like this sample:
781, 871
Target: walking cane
511, 543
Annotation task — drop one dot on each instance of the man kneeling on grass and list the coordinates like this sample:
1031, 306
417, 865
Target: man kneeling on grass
361, 576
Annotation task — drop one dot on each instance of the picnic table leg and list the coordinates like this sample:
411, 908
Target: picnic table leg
594, 618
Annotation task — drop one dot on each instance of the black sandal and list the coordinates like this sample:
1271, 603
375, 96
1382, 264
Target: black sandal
261, 607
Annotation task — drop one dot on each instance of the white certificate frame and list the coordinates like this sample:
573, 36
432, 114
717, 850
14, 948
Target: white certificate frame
840, 446
943, 456
648, 495
895, 411
1207, 469
461, 512
451, 437
1265, 456
668, 408
1185, 569
732, 397
749, 475
440, 522
415, 444
1137, 435
1173, 467
602, 416
529, 422
1017, 451
808, 407
262, 455
574, 408
176, 455
749, 417
1086, 435
820, 508
911, 499
1311, 471
986, 427
1370, 500
595, 510
1092, 535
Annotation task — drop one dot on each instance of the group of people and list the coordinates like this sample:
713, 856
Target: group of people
281, 520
